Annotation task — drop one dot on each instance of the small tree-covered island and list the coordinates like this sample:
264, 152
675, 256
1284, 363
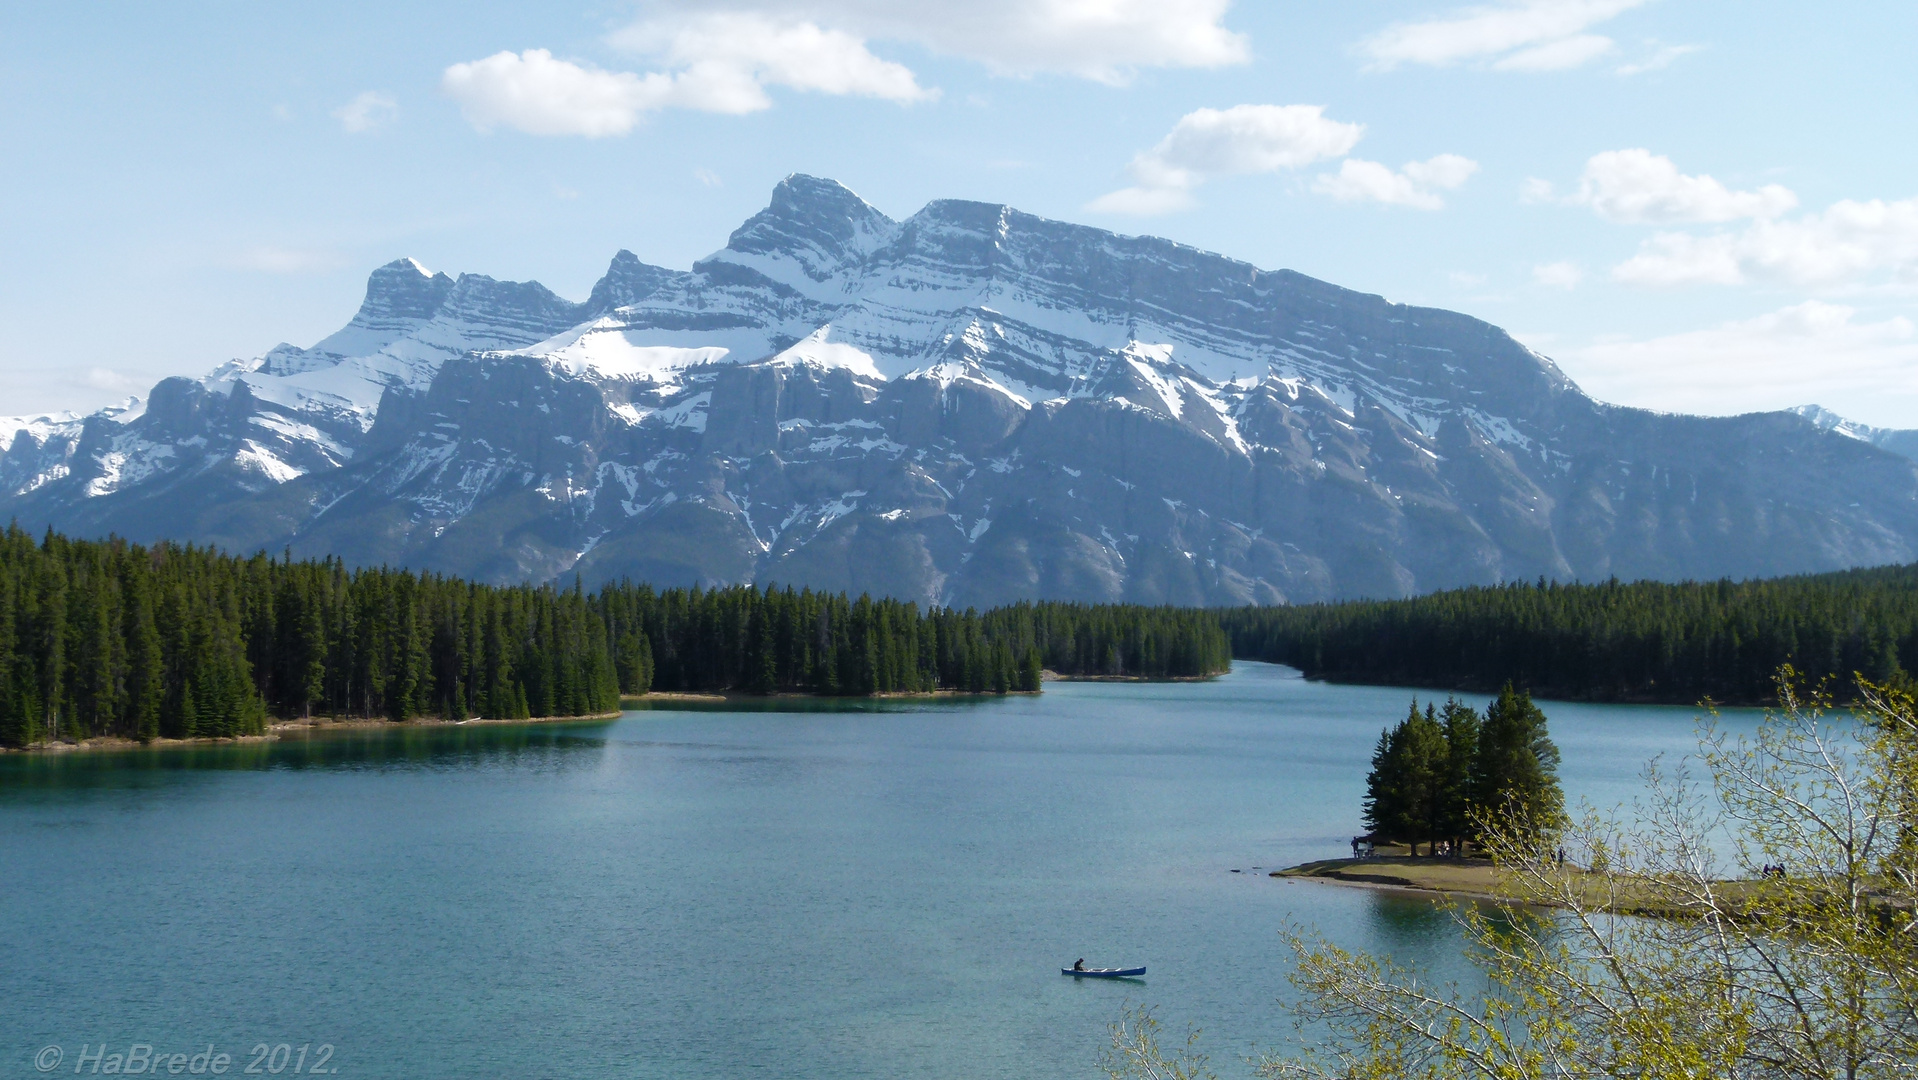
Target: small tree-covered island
120, 640
1442, 773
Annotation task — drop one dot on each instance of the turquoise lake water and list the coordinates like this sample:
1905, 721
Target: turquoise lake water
862, 890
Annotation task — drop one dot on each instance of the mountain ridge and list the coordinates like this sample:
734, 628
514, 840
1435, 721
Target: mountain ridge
969, 405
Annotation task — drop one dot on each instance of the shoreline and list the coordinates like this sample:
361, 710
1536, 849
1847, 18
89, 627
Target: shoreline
1558, 694
1049, 675
721, 696
278, 728
1472, 879
1447, 879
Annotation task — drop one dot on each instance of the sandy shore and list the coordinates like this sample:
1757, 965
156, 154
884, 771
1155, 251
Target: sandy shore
1474, 879
1478, 879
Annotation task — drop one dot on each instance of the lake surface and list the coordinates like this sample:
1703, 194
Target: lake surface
861, 890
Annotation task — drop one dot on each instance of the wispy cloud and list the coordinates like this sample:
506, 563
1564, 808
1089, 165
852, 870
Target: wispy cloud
1813, 351
1534, 35
1660, 58
118, 382
1217, 142
1558, 275
1104, 40
1416, 184
369, 110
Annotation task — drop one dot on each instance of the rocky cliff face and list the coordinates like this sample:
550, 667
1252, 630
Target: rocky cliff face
966, 407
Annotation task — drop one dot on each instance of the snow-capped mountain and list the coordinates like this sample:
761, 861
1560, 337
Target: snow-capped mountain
968, 406
1899, 441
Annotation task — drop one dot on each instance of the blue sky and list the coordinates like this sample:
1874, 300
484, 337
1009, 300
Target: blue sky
1690, 206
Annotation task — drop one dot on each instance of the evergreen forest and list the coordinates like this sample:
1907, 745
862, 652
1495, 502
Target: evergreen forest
1643, 641
113, 638
1443, 774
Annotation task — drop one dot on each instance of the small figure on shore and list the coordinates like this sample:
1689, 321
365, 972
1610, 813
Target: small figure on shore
1079, 964
1561, 858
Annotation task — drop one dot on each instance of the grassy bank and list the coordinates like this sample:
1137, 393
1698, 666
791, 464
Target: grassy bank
1479, 879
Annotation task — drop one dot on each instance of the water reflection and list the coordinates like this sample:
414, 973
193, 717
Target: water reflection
700, 703
435, 746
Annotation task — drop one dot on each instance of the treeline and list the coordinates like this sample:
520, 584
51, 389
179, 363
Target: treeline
1439, 775
1643, 641
786, 641
112, 638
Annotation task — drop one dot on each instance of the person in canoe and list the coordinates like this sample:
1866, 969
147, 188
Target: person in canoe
1079, 964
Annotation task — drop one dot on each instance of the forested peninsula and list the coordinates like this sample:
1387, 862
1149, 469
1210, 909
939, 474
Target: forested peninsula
1638, 642
108, 638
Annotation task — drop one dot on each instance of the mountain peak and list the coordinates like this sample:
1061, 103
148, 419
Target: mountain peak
819, 224
403, 289
627, 280
798, 191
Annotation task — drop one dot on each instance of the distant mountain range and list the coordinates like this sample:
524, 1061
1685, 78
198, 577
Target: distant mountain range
966, 407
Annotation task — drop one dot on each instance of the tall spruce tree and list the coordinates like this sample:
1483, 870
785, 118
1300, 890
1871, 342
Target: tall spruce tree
1461, 724
1405, 793
1515, 773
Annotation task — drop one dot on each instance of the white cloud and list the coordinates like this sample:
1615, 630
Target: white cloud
719, 63
534, 93
1217, 142
1639, 186
369, 110
1849, 240
721, 58
1533, 35
1558, 275
1812, 351
1358, 180
725, 59
1142, 201
1658, 60
1104, 40
706, 177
